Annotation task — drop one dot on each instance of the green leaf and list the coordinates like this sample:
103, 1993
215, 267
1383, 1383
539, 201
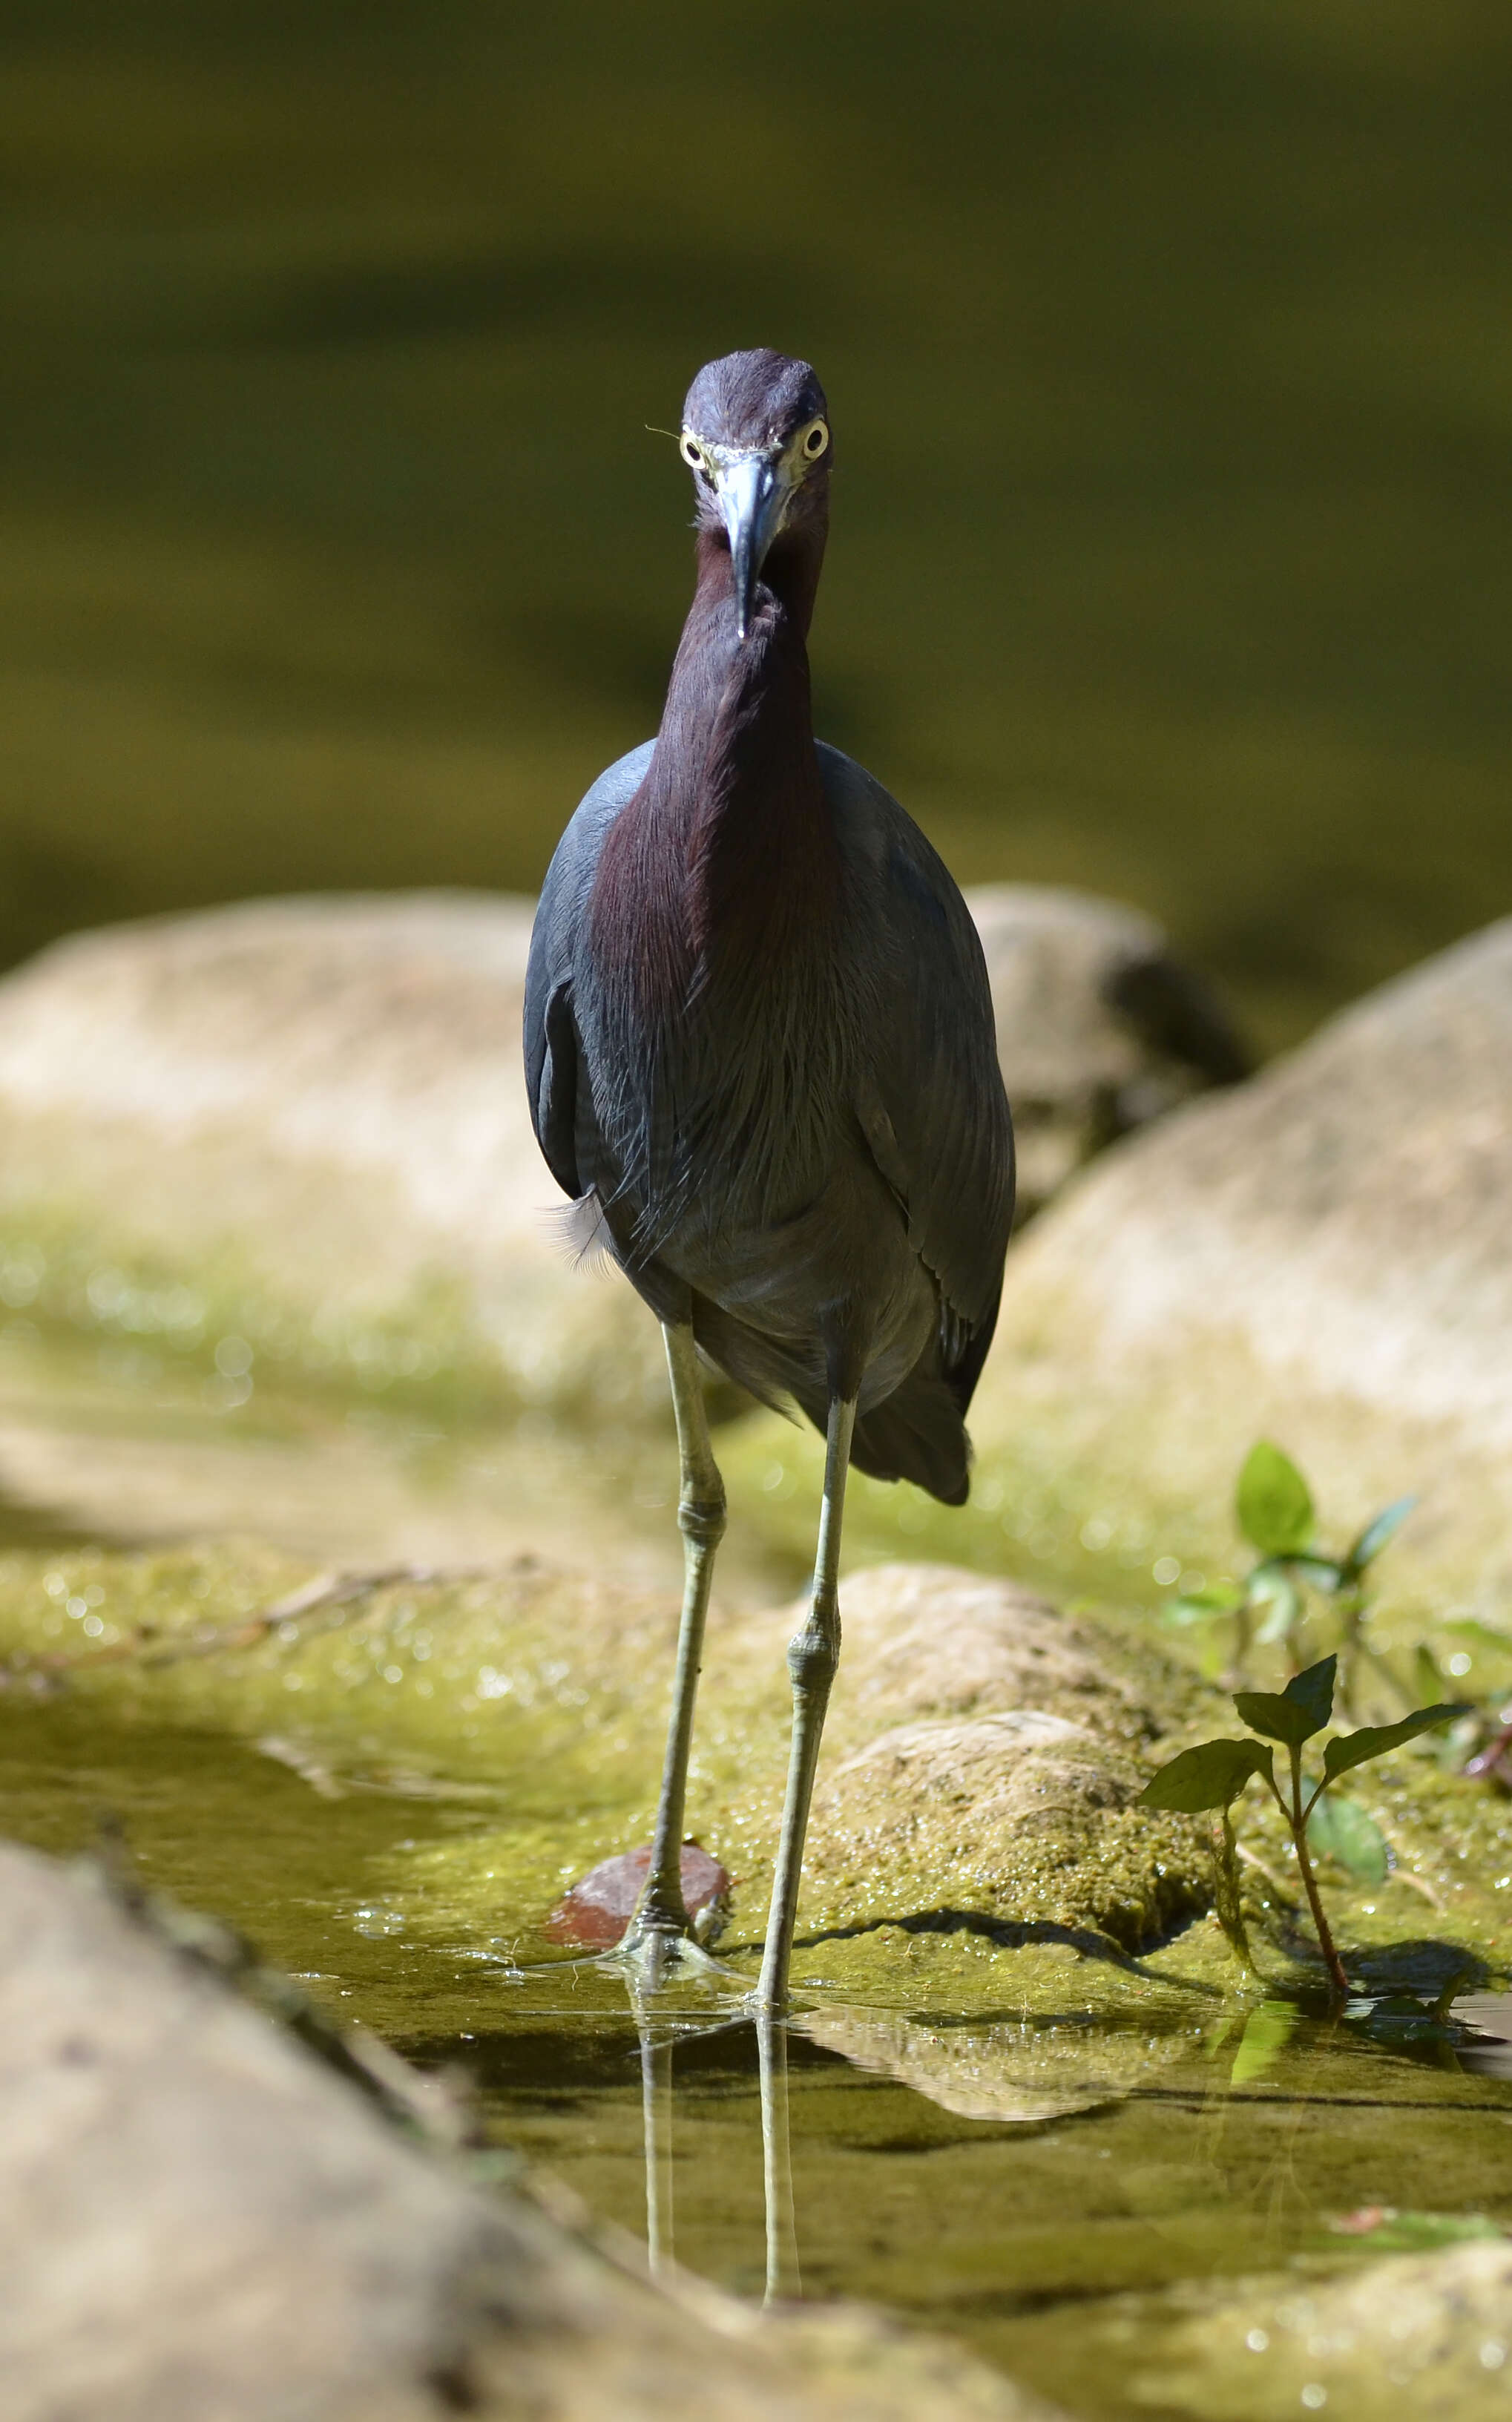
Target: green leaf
1313, 1688
1341, 1828
1273, 1502
1274, 1592
1207, 1777
1373, 1740
1295, 1714
1375, 1534
1266, 2032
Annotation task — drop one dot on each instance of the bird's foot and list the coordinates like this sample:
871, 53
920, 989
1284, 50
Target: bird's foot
653, 1929
656, 1951
666, 1975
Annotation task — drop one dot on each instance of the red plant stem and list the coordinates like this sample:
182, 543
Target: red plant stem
1315, 1902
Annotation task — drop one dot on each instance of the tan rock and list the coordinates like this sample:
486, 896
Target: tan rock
1322, 1256
307, 1117
302, 1125
1100, 1029
928, 1640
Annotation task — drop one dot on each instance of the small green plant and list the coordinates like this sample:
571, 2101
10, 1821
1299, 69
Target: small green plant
1212, 1776
1274, 1506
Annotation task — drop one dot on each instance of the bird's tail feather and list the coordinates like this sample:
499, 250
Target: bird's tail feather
917, 1434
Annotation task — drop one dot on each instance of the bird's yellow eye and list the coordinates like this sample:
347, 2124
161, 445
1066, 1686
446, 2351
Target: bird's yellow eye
815, 438
691, 451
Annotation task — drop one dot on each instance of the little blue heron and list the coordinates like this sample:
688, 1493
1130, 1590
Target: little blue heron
760, 1052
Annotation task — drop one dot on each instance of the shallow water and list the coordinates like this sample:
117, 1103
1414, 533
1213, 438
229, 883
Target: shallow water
1159, 2131
100, 1444
1027, 2240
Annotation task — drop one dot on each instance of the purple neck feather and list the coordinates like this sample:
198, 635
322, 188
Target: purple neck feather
724, 866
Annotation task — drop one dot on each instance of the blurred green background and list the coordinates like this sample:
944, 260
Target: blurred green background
1169, 349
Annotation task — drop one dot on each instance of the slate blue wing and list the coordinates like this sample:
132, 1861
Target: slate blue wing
934, 1113
554, 1075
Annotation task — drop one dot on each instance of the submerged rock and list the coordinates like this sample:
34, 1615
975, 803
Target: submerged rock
1321, 1256
296, 1131
198, 2218
1413, 2334
1019, 2074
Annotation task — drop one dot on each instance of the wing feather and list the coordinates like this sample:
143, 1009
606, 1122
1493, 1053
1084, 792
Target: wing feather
931, 1103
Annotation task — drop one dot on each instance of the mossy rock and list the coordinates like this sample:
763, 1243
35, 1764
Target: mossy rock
544, 1694
975, 1805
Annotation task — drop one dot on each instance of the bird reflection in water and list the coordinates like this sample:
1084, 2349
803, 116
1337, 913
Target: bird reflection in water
658, 2039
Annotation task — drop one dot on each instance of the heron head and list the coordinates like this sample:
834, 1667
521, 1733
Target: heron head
756, 437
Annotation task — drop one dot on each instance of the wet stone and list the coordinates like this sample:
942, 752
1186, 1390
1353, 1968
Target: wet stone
1411, 2334
597, 1910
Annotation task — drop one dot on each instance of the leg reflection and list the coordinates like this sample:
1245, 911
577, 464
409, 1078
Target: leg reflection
656, 2115
784, 2283
782, 2280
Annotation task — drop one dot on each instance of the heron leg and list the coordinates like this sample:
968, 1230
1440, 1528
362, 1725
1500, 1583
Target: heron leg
700, 1517
813, 1658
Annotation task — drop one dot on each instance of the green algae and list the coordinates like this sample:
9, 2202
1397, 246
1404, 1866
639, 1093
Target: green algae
519, 1698
508, 1714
